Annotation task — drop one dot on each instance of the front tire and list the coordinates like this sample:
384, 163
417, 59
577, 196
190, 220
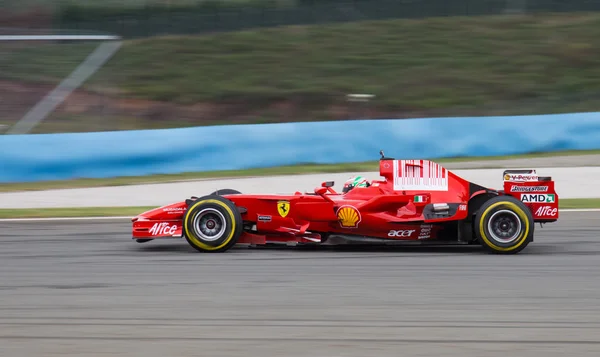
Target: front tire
504, 225
212, 224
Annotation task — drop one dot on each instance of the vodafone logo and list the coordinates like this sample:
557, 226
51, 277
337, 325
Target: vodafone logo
160, 229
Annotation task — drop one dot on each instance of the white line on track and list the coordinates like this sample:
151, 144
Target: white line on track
130, 217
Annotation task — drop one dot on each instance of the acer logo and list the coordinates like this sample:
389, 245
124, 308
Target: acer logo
163, 228
546, 211
401, 233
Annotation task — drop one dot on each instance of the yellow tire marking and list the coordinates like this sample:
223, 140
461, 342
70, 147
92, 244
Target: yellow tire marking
519, 212
204, 245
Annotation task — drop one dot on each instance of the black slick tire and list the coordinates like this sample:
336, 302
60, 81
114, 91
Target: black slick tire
226, 191
504, 225
212, 224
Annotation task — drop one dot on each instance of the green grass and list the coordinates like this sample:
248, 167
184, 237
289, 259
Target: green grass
72, 212
282, 170
464, 65
132, 211
56, 4
579, 203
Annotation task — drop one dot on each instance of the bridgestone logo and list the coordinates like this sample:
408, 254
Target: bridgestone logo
529, 189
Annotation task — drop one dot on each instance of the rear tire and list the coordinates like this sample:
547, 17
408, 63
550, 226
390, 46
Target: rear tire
226, 191
504, 225
212, 224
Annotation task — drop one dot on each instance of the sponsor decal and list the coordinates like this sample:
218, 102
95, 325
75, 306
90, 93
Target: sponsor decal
540, 198
419, 175
264, 218
529, 189
401, 233
283, 207
419, 198
546, 211
160, 229
521, 177
462, 207
348, 216
173, 210
425, 231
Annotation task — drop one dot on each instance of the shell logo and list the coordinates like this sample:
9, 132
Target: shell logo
348, 216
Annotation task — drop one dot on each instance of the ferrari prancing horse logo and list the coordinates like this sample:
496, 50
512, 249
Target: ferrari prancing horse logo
283, 207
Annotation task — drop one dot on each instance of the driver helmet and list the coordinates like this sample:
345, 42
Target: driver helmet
357, 181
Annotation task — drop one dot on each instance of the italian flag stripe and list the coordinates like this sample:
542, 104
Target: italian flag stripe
419, 198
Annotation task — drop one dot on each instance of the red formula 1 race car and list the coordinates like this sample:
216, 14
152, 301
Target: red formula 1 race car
417, 201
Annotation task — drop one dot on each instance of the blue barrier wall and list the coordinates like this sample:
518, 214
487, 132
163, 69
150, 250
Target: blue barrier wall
125, 153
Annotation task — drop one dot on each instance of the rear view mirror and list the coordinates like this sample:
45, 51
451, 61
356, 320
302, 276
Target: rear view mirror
327, 184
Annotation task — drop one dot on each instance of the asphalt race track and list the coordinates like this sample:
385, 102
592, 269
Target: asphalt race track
80, 288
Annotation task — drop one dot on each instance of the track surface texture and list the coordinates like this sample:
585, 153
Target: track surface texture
75, 288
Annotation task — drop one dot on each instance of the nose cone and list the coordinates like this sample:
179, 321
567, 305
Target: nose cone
173, 211
139, 217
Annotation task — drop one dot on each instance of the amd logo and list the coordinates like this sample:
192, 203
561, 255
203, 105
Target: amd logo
540, 198
159, 229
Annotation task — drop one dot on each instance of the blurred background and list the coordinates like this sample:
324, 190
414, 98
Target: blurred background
84, 288
210, 62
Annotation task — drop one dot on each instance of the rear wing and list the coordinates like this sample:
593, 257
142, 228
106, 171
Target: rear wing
536, 192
